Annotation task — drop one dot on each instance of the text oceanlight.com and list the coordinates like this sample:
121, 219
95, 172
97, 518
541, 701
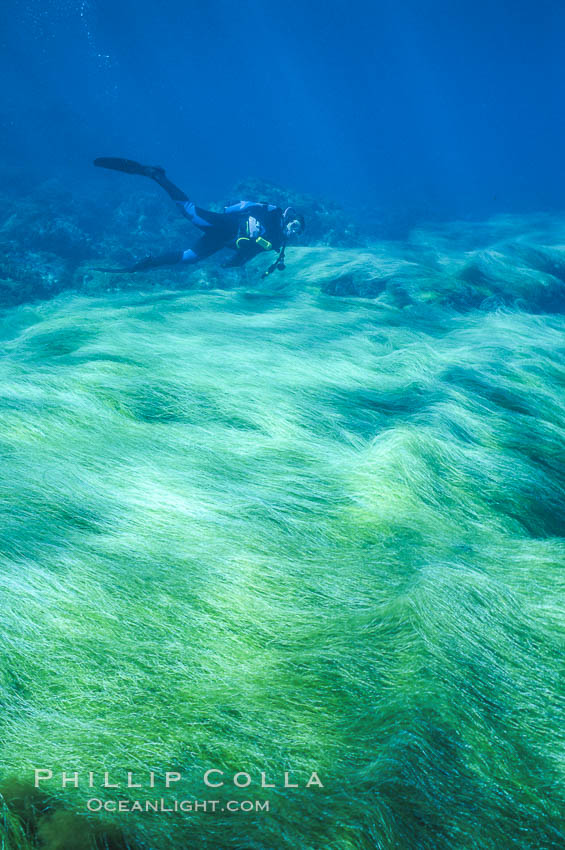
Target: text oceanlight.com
162, 805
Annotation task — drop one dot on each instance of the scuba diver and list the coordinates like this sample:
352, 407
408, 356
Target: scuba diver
246, 227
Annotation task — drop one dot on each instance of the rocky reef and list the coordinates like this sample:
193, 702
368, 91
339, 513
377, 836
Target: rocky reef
52, 240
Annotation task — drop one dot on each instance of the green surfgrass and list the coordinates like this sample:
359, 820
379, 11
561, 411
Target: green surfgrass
275, 530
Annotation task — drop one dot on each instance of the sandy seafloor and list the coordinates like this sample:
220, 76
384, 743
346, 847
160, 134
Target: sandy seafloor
312, 523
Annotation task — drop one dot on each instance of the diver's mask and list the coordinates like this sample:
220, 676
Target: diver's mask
292, 228
293, 223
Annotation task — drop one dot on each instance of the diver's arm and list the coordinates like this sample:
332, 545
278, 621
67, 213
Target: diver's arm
249, 208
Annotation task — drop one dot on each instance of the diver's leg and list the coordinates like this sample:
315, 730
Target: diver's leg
155, 172
204, 247
158, 175
212, 241
151, 262
203, 219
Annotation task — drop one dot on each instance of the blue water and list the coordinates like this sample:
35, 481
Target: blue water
438, 109
305, 522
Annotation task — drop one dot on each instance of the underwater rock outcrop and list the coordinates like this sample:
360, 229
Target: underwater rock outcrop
51, 241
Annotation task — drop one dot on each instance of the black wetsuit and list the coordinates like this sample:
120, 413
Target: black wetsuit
247, 227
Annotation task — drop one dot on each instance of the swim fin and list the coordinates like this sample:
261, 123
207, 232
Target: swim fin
109, 271
150, 262
128, 166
